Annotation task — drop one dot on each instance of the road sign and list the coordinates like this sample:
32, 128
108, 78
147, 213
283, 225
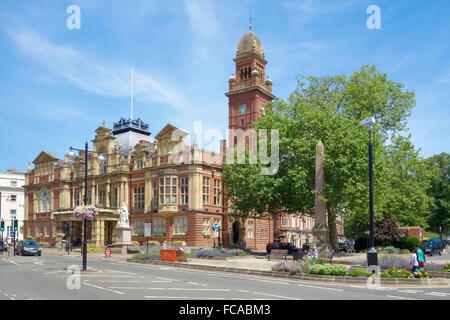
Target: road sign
147, 229
108, 252
215, 226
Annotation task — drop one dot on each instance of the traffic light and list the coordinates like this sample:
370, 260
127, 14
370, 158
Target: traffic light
67, 228
16, 224
2, 225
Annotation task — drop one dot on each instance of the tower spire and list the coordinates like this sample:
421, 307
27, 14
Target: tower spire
250, 26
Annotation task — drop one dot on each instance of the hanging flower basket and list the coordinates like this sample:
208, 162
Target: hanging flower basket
85, 212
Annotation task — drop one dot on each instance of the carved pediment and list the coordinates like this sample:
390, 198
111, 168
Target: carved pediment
44, 156
170, 130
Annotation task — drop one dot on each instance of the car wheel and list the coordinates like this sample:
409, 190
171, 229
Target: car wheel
39, 254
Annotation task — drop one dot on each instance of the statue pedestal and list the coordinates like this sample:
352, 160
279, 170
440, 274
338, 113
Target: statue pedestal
322, 241
123, 235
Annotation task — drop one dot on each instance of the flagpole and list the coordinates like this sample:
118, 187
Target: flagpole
131, 116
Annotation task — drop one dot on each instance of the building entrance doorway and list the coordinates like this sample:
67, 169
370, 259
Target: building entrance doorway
109, 228
236, 227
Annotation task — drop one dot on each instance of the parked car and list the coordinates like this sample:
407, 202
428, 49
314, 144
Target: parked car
28, 247
346, 246
3, 246
431, 247
281, 245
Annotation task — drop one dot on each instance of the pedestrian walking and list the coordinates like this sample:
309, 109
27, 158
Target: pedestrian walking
420, 258
59, 245
414, 262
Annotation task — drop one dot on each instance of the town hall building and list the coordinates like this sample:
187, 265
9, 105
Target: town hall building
177, 190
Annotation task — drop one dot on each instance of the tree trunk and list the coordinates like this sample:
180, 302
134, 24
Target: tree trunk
334, 241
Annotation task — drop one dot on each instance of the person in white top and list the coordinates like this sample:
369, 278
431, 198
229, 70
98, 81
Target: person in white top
414, 263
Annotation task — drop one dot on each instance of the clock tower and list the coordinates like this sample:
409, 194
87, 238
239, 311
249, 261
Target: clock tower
249, 90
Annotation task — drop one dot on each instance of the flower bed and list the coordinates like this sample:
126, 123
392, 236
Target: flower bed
212, 254
150, 256
304, 267
399, 262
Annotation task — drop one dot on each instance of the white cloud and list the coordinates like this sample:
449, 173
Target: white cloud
88, 73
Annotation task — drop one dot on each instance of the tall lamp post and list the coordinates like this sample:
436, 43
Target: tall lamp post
372, 255
100, 157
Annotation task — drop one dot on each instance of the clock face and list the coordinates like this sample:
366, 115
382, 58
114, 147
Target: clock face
243, 108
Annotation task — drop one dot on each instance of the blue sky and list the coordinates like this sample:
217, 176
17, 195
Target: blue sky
58, 85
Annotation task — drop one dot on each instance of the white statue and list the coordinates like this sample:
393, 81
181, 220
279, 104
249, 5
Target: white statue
124, 216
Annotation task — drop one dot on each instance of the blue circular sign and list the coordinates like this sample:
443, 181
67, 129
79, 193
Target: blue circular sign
215, 226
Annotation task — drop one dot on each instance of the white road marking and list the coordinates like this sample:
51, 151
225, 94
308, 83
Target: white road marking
270, 295
197, 284
197, 298
316, 287
14, 262
410, 291
58, 271
109, 270
169, 289
112, 281
436, 294
88, 284
397, 297
443, 293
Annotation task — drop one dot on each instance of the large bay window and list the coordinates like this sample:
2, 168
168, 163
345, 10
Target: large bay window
168, 188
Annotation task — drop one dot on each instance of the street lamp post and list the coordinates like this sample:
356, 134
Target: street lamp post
372, 255
84, 249
100, 157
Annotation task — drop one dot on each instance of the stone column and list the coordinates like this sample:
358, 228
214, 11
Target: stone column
93, 198
108, 193
320, 229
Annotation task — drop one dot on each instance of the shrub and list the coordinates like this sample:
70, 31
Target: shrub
398, 273
358, 273
287, 266
409, 243
421, 274
404, 251
314, 261
327, 269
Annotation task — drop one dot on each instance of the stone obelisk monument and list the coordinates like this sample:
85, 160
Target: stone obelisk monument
321, 231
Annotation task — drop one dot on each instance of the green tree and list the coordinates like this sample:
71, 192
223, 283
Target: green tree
439, 165
406, 196
328, 109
